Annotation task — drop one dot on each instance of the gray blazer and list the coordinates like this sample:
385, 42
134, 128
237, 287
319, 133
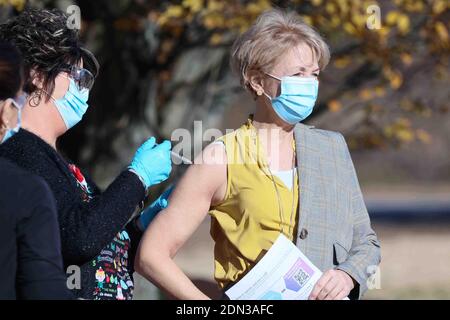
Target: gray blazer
334, 228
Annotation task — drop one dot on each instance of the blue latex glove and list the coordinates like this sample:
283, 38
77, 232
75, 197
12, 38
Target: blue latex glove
159, 204
152, 163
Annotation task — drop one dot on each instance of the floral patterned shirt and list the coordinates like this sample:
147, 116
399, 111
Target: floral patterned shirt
112, 277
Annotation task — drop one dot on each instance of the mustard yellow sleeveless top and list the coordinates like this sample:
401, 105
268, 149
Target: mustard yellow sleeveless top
249, 220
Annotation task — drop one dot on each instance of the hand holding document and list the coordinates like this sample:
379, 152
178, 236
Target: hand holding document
284, 273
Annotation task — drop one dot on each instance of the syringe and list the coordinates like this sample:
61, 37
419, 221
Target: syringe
183, 159
177, 156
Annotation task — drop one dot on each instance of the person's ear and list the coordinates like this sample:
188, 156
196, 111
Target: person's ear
36, 79
256, 82
5, 116
37, 88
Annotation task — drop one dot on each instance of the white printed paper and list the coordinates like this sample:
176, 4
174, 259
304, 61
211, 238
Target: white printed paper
284, 273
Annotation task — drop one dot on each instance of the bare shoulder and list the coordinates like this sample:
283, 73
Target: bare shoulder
213, 154
208, 174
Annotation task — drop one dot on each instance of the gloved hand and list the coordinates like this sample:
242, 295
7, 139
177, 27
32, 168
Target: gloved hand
152, 163
159, 204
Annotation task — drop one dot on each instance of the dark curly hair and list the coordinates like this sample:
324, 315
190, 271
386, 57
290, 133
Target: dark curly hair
47, 45
11, 71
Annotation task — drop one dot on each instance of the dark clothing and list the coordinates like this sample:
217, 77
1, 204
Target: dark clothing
30, 249
94, 230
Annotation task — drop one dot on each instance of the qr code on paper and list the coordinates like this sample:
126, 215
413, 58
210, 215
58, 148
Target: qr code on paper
301, 277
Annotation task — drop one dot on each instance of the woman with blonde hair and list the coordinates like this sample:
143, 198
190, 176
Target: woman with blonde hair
275, 175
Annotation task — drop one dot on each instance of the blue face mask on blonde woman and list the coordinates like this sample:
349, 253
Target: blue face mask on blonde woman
297, 98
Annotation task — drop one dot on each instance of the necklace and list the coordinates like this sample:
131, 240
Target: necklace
280, 207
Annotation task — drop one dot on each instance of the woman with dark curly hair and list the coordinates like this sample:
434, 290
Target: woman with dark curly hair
30, 247
98, 233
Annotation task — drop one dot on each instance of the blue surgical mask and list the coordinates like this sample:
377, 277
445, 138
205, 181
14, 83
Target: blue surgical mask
11, 132
73, 105
297, 98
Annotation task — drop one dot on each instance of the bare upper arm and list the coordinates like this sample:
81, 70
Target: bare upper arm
203, 184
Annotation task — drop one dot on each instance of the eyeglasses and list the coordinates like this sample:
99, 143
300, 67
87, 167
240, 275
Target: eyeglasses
83, 78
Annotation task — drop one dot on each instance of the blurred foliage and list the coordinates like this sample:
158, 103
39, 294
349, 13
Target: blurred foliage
139, 44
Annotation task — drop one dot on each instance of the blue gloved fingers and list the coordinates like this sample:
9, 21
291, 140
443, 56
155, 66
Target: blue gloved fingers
163, 204
149, 214
162, 200
149, 144
159, 203
169, 167
165, 145
162, 152
165, 169
152, 162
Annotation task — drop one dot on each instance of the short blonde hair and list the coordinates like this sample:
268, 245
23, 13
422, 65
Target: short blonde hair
274, 33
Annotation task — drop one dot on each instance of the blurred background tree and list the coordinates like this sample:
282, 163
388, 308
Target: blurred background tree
165, 64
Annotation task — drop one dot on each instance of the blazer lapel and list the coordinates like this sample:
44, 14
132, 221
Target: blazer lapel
305, 162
